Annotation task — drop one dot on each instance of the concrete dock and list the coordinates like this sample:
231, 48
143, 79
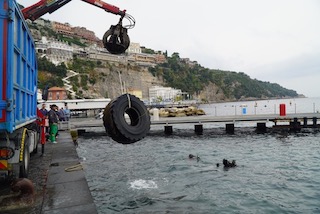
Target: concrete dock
67, 190
59, 180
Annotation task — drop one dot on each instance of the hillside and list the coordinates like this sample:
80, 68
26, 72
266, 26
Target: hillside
216, 85
102, 78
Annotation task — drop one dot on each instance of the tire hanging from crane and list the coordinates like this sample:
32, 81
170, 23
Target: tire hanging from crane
126, 130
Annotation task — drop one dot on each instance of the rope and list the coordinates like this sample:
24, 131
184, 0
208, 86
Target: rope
76, 167
129, 101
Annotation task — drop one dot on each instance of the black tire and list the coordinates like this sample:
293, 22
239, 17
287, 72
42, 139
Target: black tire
35, 151
24, 164
116, 124
35, 127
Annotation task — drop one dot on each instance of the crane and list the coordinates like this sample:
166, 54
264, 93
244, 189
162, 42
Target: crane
115, 40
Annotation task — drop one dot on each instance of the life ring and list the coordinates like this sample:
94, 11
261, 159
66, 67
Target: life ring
125, 129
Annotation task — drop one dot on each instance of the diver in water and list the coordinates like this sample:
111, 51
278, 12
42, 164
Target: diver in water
229, 164
191, 156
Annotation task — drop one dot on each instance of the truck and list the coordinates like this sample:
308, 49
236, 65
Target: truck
19, 135
20, 125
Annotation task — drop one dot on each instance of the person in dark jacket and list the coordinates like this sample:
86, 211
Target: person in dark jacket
44, 112
53, 122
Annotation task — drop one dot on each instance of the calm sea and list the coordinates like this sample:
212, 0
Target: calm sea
277, 172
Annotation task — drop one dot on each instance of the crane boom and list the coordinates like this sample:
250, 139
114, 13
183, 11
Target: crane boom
42, 7
115, 40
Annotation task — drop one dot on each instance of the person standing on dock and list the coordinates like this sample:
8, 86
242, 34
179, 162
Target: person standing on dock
53, 122
44, 112
66, 112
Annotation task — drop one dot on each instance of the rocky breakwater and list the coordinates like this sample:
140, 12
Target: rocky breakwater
178, 111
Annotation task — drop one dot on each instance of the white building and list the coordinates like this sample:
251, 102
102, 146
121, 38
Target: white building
166, 94
134, 48
55, 51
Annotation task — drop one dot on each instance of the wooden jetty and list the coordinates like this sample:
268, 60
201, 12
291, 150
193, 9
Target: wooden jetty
292, 122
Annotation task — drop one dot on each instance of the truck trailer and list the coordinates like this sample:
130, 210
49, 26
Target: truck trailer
19, 131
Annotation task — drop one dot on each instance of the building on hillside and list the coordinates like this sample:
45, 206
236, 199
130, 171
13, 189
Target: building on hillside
59, 52
84, 33
55, 51
42, 47
57, 93
95, 52
134, 48
135, 92
159, 93
160, 58
64, 29
144, 59
189, 62
136, 55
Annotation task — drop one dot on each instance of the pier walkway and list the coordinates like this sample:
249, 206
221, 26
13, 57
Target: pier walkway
59, 182
67, 189
233, 119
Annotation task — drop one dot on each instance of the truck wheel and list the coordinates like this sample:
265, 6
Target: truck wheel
126, 130
24, 164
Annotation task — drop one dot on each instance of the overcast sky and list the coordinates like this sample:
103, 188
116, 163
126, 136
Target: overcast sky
270, 40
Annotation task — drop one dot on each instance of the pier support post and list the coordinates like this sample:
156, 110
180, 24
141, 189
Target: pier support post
305, 122
198, 129
230, 128
314, 122
295, 125
261, 128
168, 130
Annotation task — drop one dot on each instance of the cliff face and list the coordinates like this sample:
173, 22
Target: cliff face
108, 81
212, 93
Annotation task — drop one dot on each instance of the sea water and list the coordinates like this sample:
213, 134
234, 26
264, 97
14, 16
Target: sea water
277, 172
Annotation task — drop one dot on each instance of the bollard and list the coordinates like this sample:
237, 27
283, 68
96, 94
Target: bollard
230, 128
74, 134
155, 114
261, 128
168, 130
198, 129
